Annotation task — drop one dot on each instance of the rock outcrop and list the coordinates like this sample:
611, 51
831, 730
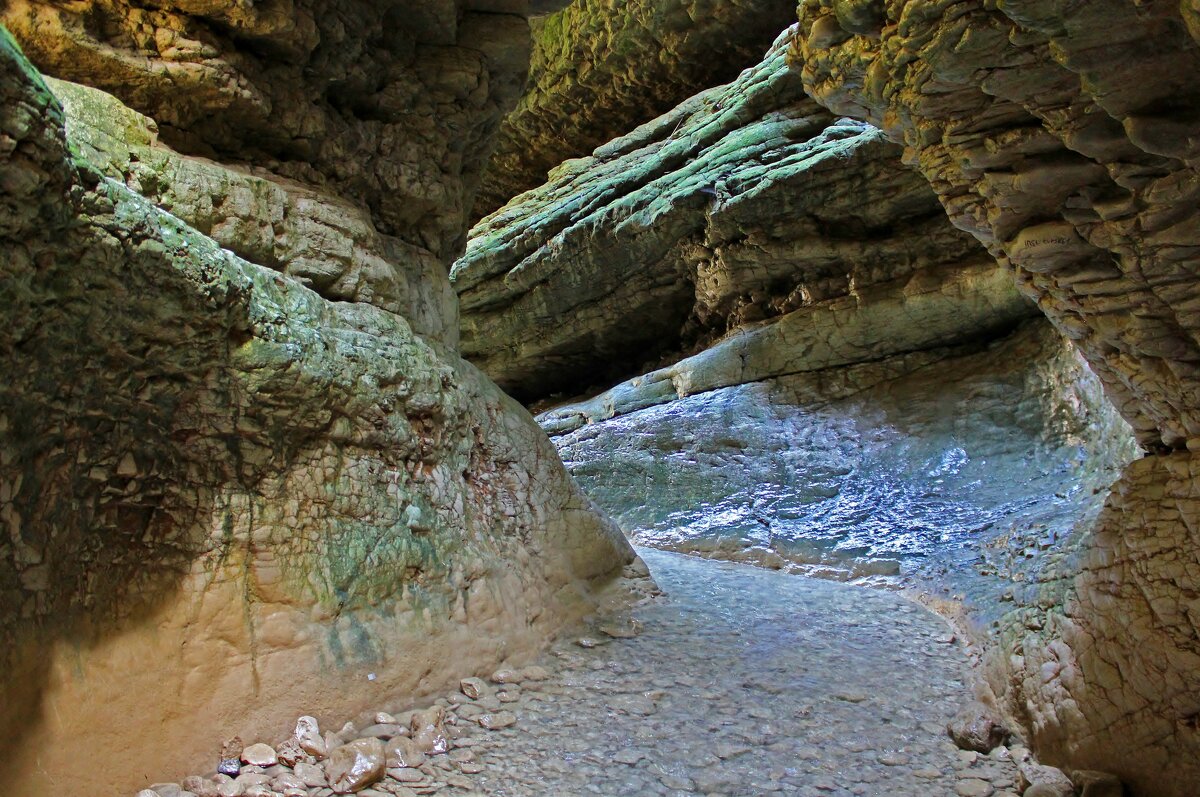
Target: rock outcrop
1063, 136
217, 486
744, 203
938, 468
599, 67
393, 104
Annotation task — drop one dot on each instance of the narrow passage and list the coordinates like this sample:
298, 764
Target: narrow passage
745, 681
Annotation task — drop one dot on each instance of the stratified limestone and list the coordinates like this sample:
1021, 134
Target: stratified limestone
218, 489
326, 243
601, 67
393, 104
744, 203
907, 466
1063, 136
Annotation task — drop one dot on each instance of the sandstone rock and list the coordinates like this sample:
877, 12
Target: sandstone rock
428, 730
472, 687
1044, 781
1093, 783
746, 202
496, 721
308, 735
259, 755
404, 752
384, 718
354, 766
976, 727
535, 672
505, 676
642, 57
311, 775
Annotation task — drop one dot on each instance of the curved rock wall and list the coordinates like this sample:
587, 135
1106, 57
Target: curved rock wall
600, 67
218, 488
1062, 135
744, 203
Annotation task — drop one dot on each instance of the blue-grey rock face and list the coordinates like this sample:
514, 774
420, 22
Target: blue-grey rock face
909, 467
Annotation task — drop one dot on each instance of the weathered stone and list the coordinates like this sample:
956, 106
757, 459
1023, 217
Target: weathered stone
496, 721
641, 56
259, 755
746, 202
977, 727
473, 687
1054, 133
429, 731
208, 466
355, 766
404, 752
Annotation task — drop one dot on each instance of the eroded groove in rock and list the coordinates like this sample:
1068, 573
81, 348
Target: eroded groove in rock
746, 202
216, 487
1062, 135
600, 67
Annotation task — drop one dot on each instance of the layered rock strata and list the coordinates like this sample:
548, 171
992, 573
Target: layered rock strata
218, 487
928, 467
744, 203
601, 66
1063, 136
394, 104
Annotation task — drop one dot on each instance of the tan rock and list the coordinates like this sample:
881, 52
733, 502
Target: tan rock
355, 766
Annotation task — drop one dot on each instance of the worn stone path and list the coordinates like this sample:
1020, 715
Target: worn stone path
739, 681
745, 681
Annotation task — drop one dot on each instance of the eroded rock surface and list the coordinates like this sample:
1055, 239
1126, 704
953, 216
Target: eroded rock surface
1063, 136
600, 67
393, 103
746, 202
218, 487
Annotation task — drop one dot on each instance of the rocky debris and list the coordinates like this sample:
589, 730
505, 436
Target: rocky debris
1054, 133
977, 727
190, 440
308, 736
746, 202
497, 721
641, 56
473, 687
259, 755
746, 674
354, 766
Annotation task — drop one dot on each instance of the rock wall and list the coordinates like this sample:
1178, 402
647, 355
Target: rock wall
744, 203
937, 470
1062, 135
218, 488
600, 67
393, 104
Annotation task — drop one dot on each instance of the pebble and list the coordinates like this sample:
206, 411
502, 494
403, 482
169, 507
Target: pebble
472, 687
498, 720
354, 766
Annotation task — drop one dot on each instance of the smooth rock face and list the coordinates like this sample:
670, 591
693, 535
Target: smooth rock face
219, 489
1062, 136
746, 202
599, 67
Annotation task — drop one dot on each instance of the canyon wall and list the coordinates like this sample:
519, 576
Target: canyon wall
743, 204
599, 67
748, 260
1063, 136
230, 466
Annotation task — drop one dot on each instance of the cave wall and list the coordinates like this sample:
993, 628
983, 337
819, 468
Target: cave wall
600, 67
745, 203
1063, 136
219, 488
